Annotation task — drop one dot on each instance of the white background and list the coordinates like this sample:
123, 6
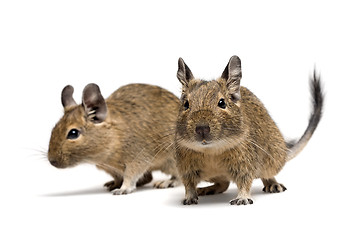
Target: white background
45, 45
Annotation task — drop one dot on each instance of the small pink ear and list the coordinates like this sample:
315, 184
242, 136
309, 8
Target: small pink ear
67, 99
94, 103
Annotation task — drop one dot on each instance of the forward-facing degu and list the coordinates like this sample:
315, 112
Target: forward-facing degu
128, 135
224, 133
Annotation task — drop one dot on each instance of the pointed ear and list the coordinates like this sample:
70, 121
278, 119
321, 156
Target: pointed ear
67, 99
232, 74
184, 73
94, 103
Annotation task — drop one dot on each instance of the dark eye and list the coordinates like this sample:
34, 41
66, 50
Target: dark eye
73, 134
186, 105
222, 103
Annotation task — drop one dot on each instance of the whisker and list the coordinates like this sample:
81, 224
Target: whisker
260, 148
143, 159
40, 153
162, 149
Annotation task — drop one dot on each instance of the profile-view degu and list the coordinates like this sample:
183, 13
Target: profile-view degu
119, 135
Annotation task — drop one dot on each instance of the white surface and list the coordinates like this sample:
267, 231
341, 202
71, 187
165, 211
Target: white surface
45, 45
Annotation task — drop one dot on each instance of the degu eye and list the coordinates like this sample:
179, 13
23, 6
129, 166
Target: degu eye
222, 103
73, 134
186, 105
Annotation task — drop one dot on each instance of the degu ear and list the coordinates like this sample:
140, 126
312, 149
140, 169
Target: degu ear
232, 74
94, 103
184, 73
67, 99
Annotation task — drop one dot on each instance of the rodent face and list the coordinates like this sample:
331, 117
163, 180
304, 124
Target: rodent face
210, 118
80, 135
75, 140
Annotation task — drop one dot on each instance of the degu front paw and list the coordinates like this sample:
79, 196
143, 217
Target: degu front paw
190, 201
241, 201
123, 191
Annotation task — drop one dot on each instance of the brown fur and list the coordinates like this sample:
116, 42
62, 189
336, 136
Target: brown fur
128, 136
241, 142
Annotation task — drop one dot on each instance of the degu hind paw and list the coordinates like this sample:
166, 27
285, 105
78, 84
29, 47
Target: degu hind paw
274, 188
166, 183
111, 185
